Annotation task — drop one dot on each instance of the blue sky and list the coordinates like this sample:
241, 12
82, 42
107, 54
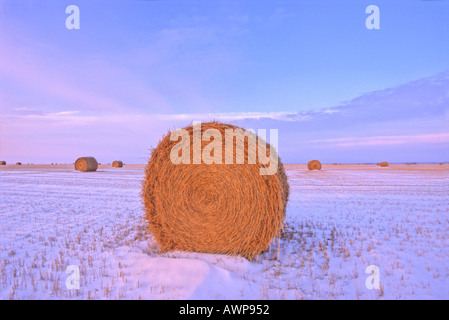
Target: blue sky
135, 69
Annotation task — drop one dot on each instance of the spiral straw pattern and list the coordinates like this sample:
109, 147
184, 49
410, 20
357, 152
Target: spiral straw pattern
86, 164
213, 208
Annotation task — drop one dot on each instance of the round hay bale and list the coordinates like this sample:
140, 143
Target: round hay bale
384, 164
213, 208
18, 163
2, 163
314, 165
117, 164
86, 164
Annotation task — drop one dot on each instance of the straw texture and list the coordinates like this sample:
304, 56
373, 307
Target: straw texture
214, 208
86, 164
314, 165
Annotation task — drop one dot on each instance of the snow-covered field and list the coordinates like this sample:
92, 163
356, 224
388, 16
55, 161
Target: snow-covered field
339, 221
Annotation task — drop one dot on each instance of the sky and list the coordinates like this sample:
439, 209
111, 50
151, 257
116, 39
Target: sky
135, 69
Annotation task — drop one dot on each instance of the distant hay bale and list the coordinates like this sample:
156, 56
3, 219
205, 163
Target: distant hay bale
314, 165
18, 163
214, 208
384, 164
2, 163
86, 164
117, 164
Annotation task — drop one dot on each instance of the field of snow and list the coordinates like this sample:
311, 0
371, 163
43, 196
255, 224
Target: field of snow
339, 221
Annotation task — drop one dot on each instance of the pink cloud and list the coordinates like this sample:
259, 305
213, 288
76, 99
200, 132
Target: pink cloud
385, 140
89, 85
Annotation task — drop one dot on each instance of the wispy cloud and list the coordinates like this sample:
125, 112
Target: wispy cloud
385, 140
77, 116
230, 116
280, 15
48, 80
42, 74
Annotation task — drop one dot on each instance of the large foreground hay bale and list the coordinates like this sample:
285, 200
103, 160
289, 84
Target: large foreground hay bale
117, 164
314, 165
214, 208
2, 163
384, 164
86, 164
